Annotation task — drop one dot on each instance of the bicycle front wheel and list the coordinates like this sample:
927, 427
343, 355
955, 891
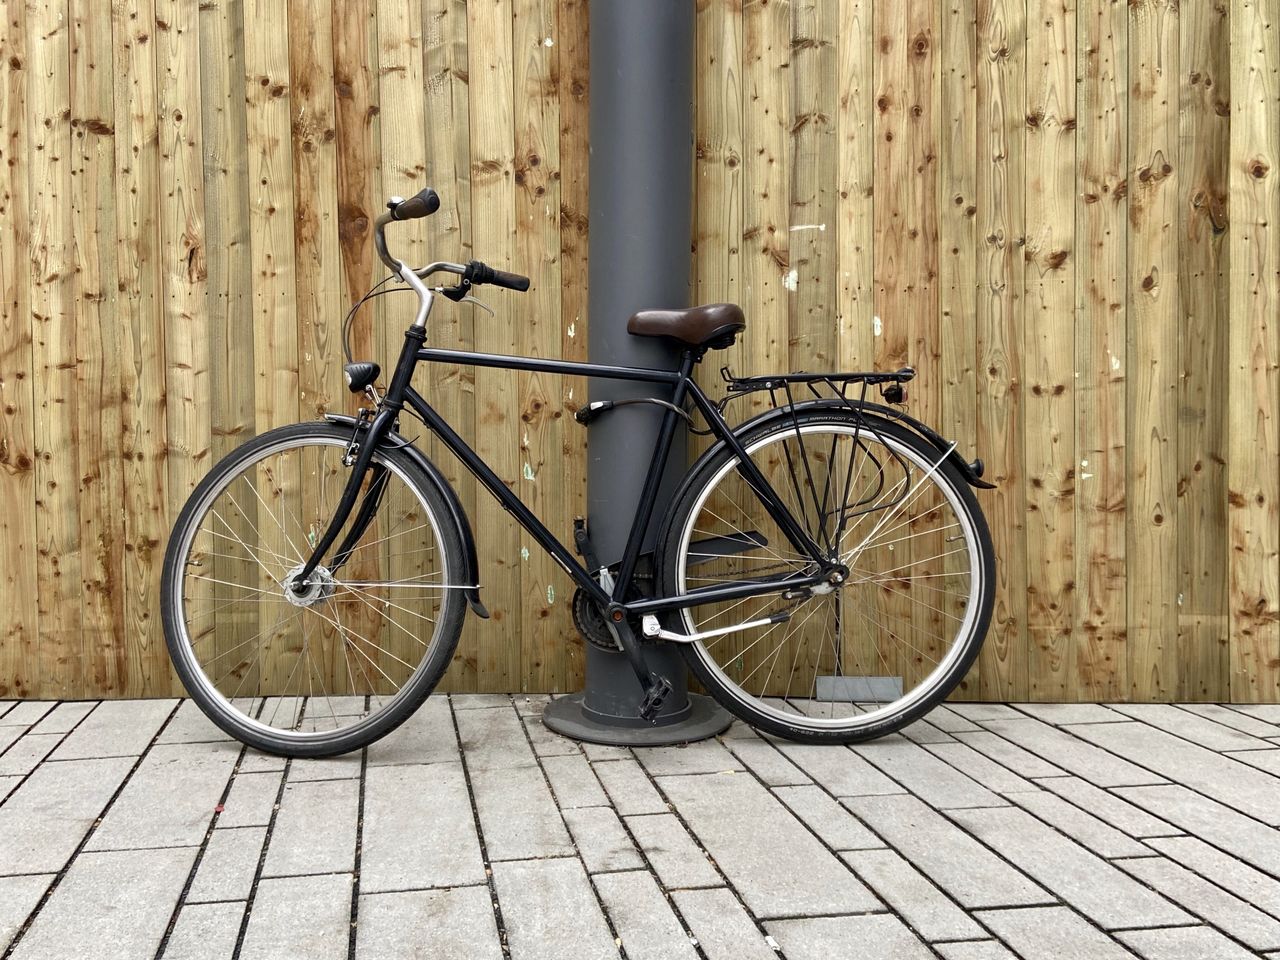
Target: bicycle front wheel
854, 660
336, 666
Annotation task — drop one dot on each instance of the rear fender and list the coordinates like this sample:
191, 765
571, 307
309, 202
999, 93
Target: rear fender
450, 497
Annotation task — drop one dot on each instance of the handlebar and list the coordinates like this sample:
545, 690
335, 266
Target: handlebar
475, 273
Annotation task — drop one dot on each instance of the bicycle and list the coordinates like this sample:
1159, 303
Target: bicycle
824, 566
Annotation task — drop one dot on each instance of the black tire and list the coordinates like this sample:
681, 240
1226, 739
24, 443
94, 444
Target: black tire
420, 683
755, 711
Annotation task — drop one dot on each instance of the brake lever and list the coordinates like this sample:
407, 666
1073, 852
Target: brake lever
459, 294
483, 306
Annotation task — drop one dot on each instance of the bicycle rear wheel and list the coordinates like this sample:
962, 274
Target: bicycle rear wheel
853, 661
345, 662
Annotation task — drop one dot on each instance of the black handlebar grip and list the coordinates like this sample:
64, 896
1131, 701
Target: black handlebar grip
422, 204
481, 273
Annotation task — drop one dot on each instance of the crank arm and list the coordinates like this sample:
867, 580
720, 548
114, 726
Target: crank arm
653, 630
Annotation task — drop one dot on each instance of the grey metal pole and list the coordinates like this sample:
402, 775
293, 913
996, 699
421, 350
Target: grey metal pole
641, 142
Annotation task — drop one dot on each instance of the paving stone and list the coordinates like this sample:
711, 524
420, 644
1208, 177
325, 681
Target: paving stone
18, 897
979, 712
674, 855
255, 761
1072, 754
479, 701
882, 936
109, 905
1212, 904
924, 732
737, 730
6, 706
1266, 712
548, 743
530, 704
7, 786
300, 918
536, 897
947, 719
1266, 760
21, 758
64, 717
766, 762
643, 918
929, 911
205, 931
1088, 883
1235, 784
9, 736
1251, 885
518, 815
936, 783
1190, 726
251, 800
974, 950
190, 725
1052, 933
1062, 713
1022, 762
26, 712
722, 927
629, 789
835, 825
346, 767
404, 850
117, 728
1121, 814
1184, 943
705, 756
170, 799
573, 782
974, 765
452, 924
315, 830
840, 770
781, 872
1084, 828
946, 854
1233, 832
605, 751
44, 820
493, 739
426, 737
601, 839
229, 863
1234, 719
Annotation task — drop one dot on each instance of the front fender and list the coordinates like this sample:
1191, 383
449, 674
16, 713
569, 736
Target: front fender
447, 493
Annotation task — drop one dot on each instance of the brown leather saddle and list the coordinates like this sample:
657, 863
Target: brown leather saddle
712, 326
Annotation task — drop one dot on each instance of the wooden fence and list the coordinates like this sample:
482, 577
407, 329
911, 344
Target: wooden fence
1064, 213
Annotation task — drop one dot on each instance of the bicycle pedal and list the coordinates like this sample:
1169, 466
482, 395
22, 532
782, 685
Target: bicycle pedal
656, 694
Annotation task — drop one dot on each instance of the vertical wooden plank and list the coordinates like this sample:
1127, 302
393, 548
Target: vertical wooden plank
855, 163
575, 68
451, 389
140, 309
229, 284
53, 315
958, 244
1153, 352
1049, 345
493, 239
1001, 101
545, 591
19, 637
765, 259
1204, 139
182, 252
1254, 446
1101, 308
100, 489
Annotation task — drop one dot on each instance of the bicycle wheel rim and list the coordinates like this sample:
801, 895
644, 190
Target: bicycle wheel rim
805, 713
315, 718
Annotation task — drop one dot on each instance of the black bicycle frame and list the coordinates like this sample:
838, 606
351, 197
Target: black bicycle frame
400, 393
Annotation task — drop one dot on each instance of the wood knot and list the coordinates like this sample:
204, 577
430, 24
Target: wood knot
1258, 169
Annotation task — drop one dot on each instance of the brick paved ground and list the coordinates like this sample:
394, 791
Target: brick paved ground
133, 829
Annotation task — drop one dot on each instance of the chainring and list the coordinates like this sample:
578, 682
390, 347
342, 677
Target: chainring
591, 623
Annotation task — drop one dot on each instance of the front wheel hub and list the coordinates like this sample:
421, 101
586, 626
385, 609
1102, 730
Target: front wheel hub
319, 586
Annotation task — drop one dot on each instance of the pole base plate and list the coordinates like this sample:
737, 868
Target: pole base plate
569, 717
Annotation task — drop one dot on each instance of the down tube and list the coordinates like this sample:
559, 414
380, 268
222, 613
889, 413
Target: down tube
510, 502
